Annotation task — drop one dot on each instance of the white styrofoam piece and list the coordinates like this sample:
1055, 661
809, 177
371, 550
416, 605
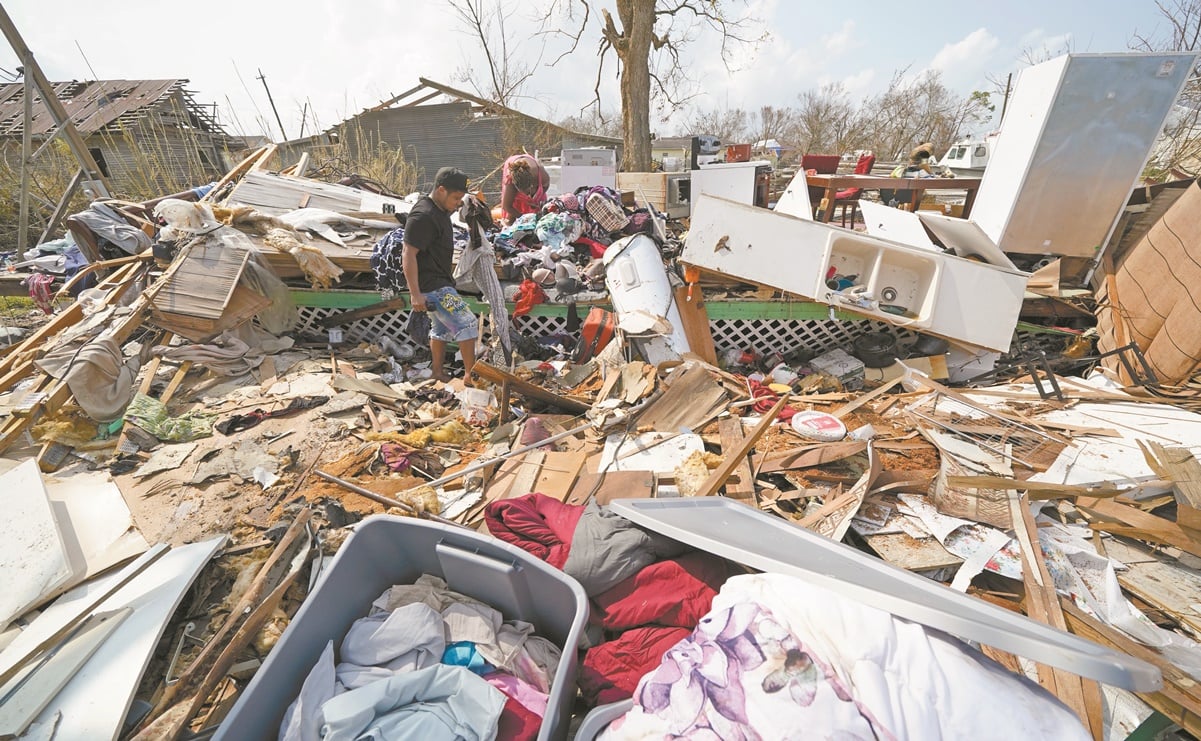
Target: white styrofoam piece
951, 297
761, 541
893, 223
794, 201
40, 684
34, 557
965, 238
94, 703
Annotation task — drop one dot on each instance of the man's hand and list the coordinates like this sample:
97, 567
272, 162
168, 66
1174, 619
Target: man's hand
418, 301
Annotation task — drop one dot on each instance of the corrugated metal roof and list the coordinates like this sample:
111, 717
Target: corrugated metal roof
92, 106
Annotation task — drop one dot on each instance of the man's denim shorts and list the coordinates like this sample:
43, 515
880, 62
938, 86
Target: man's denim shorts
450, 318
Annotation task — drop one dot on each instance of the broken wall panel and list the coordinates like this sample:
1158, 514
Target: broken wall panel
1150, 300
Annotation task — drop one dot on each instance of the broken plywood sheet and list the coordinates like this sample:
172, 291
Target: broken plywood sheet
96, 700
605, 487
34, 554
658, 452
912, 554
833, 519
693, 398
1164, 584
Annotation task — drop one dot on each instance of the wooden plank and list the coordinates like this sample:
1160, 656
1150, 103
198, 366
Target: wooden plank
1180, 698
847, 408
527, 474
559, 473
1141, 524
692, 399
347, 317
738, 456
695, 320
806, 456
1177, 464
176, 380
730, 430
495, 375
1042, 604
1037, 490
606, 487
1173, 589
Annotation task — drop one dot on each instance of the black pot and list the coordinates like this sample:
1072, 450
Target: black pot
929, 345
876, 349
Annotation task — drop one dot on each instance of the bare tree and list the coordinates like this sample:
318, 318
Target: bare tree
828, 121
912, 111
1179, 151
775, 123
592, 120
486, 21
730, 125
649, 38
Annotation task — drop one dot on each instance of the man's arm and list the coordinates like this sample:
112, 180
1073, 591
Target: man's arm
408, 263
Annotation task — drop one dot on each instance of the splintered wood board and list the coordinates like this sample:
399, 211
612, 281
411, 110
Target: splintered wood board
906, 552
613, 485
559, 473
203, 285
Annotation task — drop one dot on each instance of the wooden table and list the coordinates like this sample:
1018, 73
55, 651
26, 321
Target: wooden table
834, 183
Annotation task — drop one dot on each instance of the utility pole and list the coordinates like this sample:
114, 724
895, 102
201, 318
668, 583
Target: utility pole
272, 102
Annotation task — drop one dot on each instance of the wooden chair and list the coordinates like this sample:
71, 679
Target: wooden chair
849, 198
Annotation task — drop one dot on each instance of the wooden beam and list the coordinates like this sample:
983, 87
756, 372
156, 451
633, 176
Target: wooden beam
1042, 604
1139, 524
495, 375
738, 456
730, 430
346, 317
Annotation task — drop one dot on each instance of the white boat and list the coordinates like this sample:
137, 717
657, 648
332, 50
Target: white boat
969, 156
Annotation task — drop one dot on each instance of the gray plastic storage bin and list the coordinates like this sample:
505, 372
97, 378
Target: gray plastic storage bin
600, 718
385, 550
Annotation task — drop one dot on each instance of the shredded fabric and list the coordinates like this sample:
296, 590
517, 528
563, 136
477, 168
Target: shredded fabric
529, 295
151, 415
39, 290
477, 262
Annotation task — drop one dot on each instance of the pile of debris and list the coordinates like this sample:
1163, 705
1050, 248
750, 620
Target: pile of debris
185, 401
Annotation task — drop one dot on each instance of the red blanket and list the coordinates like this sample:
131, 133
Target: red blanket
536, 524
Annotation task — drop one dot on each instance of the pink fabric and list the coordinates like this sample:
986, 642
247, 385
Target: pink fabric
515, 689
535, 523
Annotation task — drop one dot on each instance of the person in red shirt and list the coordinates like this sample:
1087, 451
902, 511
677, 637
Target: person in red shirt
523, 186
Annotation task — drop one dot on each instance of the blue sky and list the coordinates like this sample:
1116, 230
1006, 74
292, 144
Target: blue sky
340, 57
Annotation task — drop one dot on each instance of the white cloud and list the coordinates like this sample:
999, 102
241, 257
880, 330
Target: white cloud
970, 51
842, 40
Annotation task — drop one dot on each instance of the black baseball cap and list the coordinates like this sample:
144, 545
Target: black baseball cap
452, 179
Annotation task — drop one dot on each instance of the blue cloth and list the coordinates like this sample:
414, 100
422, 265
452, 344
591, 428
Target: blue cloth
464, 653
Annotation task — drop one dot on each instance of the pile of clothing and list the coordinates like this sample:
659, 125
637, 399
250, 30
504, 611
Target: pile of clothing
647, 591
430, 663
777, 657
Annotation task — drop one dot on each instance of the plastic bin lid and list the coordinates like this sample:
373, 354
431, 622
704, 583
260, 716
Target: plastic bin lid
748, 536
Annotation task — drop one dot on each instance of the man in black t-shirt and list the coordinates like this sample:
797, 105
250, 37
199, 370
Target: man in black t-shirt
428, 269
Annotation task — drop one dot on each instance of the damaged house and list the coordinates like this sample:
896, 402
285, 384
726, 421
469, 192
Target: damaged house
435, 126
146, 135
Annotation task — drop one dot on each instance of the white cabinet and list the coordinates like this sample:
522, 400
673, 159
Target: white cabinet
961, 300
